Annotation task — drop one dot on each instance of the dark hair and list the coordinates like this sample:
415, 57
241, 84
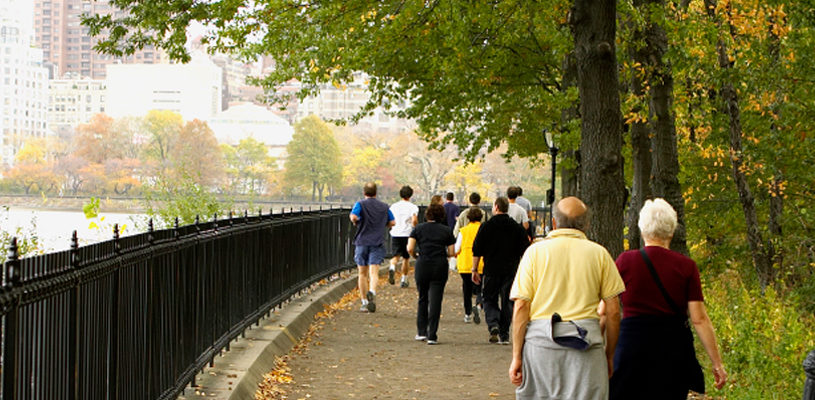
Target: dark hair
474, 214
435, 212
406, 192
475, 198
513, 192
502, 203
435, 199
520, 190
449, 196
369, 189
579, 222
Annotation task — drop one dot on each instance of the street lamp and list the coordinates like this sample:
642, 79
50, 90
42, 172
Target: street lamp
550, 193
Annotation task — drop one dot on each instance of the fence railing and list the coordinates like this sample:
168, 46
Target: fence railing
137, 317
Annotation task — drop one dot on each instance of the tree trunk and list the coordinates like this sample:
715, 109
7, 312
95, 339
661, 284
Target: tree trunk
594, 28
313, 189
570, 176
640, 143
775, 254
665, 167
641, 181
763, 266
570, 166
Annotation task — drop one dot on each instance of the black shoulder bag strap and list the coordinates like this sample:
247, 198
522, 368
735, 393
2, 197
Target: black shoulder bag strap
654, 275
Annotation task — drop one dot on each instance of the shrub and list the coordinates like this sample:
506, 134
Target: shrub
763, 339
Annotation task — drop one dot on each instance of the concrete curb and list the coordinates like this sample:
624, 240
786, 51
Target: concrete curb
237, 373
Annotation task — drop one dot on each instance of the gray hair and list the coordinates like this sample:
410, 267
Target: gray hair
657, 219
580, 222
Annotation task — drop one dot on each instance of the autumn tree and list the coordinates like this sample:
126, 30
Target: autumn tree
465, 179
99, 140
248, 166
414, 164
313, 157
196, 152
110, 153
33, 169
162, 128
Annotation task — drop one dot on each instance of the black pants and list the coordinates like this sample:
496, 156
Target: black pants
430, 281
469, 289
496, 289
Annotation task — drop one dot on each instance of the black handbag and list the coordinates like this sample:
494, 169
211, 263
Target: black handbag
695, 376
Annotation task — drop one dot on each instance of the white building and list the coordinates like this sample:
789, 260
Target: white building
252, 121
23, 80
192, 90
73, 101
344, 101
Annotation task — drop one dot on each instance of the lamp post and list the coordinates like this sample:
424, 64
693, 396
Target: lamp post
550, 194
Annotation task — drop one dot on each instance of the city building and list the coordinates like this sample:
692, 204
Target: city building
253, 121
23, 81
73, 101
336, 102
192, 90
66, 43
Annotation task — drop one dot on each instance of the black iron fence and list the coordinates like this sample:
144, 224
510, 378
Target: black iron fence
137, 317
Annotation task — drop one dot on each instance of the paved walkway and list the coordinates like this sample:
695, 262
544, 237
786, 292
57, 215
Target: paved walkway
359, 355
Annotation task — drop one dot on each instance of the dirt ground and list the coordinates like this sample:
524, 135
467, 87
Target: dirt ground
356, 355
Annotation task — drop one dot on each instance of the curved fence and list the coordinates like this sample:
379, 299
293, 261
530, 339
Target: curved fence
137, 317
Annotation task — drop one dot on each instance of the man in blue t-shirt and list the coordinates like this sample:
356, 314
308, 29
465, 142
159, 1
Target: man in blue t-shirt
371, 217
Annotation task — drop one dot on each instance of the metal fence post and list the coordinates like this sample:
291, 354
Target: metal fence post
11, 278
75, 334
113, 352
809, 370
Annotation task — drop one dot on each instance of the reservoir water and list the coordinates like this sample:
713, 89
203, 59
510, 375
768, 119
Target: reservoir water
54, 228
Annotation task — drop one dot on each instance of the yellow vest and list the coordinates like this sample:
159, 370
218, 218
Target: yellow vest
464, 261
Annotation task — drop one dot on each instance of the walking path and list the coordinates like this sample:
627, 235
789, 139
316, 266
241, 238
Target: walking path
357, 355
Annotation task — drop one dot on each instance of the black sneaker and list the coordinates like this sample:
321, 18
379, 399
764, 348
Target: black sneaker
476, 317
391, 274
372, 305
404, 284
493, 334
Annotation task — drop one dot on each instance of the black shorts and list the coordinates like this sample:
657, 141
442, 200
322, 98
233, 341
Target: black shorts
400, 246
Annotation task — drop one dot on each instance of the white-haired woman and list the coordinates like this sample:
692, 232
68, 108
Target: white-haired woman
655, 357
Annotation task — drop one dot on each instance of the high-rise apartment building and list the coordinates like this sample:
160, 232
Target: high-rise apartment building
68, 47
23, 81
74, 101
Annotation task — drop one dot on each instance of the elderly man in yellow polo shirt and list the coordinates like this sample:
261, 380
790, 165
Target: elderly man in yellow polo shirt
558, 345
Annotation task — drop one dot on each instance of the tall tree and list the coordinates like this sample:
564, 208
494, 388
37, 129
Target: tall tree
602, 188
313, 157
730, 97
248, 166
162, 128
653, 135
197, 153
99, 140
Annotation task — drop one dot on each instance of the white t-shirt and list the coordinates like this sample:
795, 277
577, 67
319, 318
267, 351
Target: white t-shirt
403, 213
517, 213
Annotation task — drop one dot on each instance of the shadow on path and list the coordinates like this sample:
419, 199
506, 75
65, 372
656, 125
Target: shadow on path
360, 355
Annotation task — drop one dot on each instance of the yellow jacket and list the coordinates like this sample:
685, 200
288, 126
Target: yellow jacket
464, 261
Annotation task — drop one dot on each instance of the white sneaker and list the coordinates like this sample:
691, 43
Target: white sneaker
420, 338
468, 319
